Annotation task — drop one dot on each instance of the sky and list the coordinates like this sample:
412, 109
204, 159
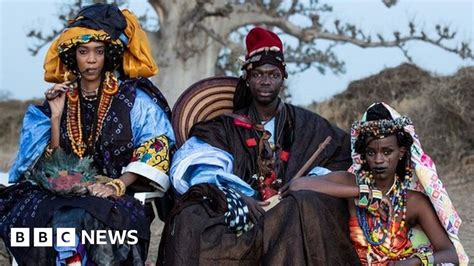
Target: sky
21, 74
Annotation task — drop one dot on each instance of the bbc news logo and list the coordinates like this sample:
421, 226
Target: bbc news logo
66, 237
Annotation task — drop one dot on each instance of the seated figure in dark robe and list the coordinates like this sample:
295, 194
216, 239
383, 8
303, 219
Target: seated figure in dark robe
231, 166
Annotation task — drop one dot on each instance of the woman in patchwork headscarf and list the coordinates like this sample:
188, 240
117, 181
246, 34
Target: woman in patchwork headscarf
113, 130
400, 212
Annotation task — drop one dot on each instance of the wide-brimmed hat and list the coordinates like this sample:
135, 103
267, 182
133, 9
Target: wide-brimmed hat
204, 100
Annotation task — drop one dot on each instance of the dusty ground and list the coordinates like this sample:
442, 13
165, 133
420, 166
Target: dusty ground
462, 196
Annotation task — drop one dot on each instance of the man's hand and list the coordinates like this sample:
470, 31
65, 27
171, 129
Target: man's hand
255, 207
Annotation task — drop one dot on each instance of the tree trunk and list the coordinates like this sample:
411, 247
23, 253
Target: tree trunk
177, 73
184, 53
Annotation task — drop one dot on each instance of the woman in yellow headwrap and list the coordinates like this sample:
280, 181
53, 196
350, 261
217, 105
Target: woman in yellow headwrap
101, 110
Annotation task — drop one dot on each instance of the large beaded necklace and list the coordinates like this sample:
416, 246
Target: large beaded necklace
73, 119
376, 230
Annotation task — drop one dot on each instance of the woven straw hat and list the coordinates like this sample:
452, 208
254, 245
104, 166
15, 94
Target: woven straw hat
204, 100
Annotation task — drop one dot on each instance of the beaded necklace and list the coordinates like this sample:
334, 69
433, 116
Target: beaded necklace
73, 119
375, 229
90, 97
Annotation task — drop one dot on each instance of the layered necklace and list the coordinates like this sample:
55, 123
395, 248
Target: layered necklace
376, 230
73, 119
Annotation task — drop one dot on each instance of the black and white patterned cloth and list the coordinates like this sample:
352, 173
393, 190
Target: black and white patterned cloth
237, 215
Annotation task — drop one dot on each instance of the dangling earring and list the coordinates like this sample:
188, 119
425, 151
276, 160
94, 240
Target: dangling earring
110, 86
66, 75
247, 84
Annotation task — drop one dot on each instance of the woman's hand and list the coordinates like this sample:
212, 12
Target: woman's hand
101, 190
255, 207
56, 97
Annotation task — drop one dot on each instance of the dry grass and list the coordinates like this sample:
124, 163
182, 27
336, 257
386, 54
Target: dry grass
441, 109
11, 117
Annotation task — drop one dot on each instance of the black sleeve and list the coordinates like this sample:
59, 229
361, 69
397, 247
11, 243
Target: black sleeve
341, 158
212, 132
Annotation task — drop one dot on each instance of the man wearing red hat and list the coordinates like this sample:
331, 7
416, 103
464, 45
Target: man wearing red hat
232, 165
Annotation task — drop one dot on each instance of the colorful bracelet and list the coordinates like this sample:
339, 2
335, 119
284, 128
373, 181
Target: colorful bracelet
364, 193
430, 258
423, 259
375, 201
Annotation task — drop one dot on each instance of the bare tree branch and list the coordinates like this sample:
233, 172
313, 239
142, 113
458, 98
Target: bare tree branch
71, 11
160, 8
274, 4
225, 42
292, 9
389, 3
253, 14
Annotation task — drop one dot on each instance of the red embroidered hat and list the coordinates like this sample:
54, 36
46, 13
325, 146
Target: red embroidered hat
260, 39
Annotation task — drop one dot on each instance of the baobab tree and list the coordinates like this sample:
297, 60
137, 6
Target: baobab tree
202, 38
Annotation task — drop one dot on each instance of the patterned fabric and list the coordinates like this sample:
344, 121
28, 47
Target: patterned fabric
86, 38
426, 181
114, 146
154, 153
237, 214
402, 246
156, 96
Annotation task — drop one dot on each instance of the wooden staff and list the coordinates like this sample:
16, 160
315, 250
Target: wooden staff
274, 200
313, 157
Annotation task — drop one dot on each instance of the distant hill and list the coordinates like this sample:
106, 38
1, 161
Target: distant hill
441, 107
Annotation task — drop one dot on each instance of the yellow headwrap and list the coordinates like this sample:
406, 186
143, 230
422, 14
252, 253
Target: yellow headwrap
137, 59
